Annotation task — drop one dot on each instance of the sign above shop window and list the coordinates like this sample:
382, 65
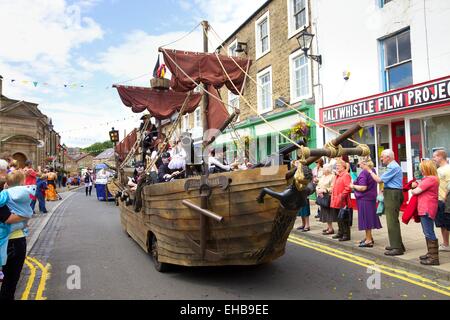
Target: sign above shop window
427, 95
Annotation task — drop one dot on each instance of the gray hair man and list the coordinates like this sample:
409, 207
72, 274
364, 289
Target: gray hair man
393, 199
442, 218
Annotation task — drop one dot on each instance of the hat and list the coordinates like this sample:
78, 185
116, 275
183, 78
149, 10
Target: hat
165, 155
28, 162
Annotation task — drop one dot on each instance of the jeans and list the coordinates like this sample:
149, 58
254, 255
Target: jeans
41, 199
17, 249
428, 227
88, 190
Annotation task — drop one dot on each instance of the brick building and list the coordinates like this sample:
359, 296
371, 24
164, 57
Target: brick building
284, 75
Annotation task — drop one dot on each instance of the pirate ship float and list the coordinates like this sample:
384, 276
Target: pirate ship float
213, 219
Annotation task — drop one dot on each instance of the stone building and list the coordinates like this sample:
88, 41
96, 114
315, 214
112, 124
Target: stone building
26, 133
84, 161
281, 75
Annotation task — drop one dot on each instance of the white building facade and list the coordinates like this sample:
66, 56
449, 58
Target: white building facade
386, 63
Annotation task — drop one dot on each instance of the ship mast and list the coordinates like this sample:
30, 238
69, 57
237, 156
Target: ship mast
205, 26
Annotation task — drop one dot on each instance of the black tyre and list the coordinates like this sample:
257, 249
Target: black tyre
159, 266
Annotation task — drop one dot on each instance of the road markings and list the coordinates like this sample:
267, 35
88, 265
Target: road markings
30, 281
393, 272
44, 277
32, 263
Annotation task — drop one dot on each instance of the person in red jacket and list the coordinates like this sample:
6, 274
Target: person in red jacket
427, 192
340, 198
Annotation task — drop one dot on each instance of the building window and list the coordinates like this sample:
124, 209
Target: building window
232, 49
233, 102
264, 90
185, 124
197, 117
397, 61
262, 33
300, 80
297, 16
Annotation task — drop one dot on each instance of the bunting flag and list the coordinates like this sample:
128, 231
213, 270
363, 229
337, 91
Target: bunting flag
361, 132
35, 83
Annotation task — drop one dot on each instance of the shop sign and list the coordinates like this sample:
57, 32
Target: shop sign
426, 95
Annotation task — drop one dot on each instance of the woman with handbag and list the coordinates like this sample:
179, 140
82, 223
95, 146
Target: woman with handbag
323, 191
366, 199
340, 201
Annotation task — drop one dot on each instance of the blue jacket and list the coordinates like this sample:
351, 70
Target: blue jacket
18, 200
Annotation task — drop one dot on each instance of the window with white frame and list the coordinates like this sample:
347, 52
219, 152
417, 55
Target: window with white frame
300, 79
297, 16
264, 90
233, 102
397, 61
185, 123
262, 32
232, 49
198, 117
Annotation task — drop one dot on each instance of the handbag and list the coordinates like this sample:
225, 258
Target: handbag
324, 201
346, 214
447, 204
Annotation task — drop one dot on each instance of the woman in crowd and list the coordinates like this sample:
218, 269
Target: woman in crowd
88, 181
366, 199
323, 191
340, 198
17, 246
50, 194
317, 173
178, 157
427, 192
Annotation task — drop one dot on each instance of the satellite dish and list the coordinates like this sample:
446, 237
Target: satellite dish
40, 144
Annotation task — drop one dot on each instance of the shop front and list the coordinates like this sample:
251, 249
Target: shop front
413, 121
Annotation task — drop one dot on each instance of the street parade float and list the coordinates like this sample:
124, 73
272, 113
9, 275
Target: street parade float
241, 217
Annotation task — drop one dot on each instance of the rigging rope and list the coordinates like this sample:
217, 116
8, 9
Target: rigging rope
286, 104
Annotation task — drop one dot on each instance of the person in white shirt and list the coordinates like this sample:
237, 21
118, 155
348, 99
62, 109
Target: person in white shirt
217, 163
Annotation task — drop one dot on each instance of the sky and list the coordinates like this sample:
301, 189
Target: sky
66, 54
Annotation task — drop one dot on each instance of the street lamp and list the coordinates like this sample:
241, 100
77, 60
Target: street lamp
305, 41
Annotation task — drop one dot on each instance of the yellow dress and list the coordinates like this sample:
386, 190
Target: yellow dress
50, 193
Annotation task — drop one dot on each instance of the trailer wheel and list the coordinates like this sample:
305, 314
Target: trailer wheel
159, 266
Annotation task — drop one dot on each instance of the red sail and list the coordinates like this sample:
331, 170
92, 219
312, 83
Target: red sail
160, 103
204, 68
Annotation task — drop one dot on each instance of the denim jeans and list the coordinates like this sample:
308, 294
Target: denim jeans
428, 227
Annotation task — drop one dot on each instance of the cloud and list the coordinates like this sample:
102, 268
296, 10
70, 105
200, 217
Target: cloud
47, 31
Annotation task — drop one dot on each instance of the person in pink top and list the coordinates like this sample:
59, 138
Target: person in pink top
427, 192
30, 179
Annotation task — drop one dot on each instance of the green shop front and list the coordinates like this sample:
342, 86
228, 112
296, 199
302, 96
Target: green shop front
261, 139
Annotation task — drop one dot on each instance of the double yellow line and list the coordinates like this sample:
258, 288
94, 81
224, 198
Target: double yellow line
392, 272
34, 264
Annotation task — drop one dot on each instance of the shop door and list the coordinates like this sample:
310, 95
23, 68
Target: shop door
399, 148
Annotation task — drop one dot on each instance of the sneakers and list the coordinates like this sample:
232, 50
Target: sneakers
444, 248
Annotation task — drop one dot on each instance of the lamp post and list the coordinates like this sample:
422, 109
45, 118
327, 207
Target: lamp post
114, 137
305, 40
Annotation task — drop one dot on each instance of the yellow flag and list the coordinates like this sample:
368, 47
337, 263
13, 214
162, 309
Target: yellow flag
361, 132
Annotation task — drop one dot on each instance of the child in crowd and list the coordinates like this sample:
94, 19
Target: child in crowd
18, 198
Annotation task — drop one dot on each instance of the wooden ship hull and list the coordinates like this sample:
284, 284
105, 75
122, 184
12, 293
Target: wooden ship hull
250, 233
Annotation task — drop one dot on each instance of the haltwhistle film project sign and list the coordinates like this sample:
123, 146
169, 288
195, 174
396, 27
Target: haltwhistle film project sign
425, 96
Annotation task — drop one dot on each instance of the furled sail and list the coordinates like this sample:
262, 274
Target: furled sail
161, 104
204, 68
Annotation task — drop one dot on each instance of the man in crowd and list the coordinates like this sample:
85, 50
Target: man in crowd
442, 218
393, 199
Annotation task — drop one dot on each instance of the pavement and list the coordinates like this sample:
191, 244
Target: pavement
412, 235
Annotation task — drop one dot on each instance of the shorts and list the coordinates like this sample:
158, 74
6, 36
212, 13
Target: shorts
442, 219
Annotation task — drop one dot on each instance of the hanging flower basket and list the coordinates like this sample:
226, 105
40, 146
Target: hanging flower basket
300, 130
